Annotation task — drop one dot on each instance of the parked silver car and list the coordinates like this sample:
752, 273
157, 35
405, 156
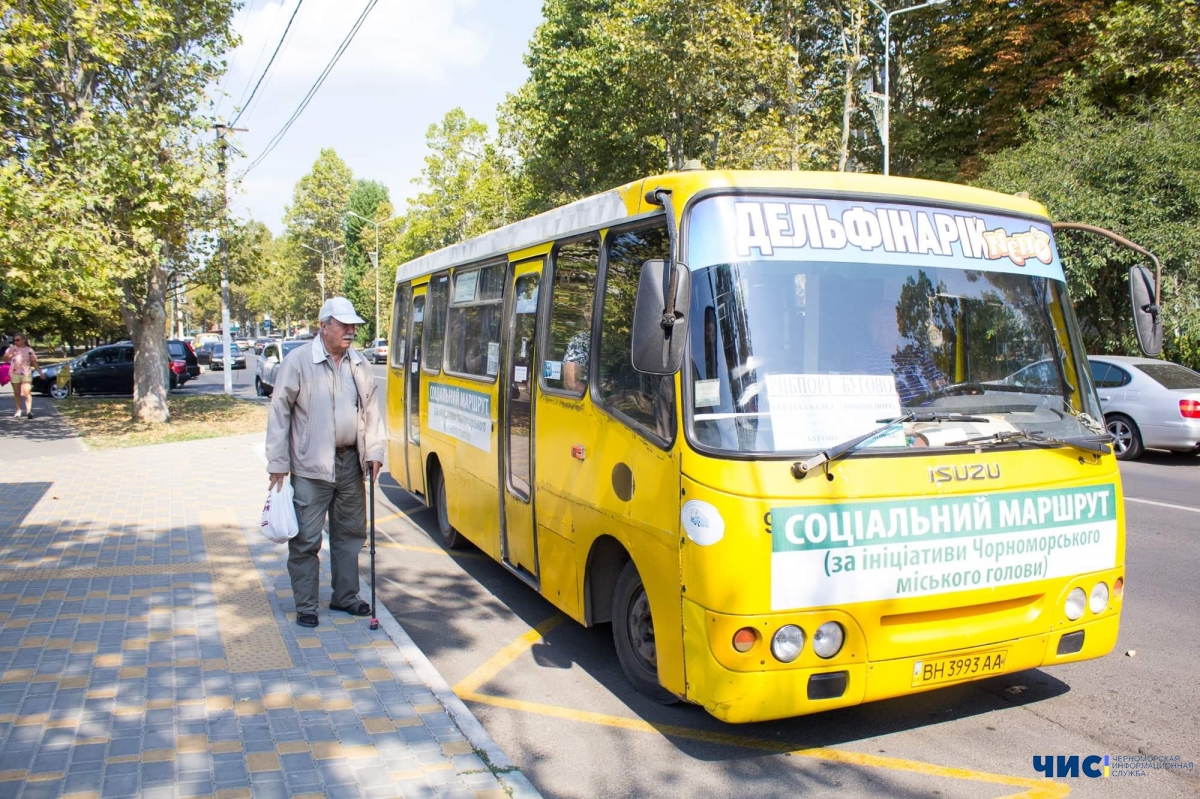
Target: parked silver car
377, 351
267, 365
1148, 403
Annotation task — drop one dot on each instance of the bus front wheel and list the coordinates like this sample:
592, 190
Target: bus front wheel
633, 636
450, 537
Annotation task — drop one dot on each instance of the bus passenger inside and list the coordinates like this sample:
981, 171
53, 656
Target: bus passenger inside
579, 348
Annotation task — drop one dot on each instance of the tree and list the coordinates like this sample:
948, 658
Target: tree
104, 173
624, 88
1144, 51
467, 188
367, 199
1138, 175
977, 66
315, 219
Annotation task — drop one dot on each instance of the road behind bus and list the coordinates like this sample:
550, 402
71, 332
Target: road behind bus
552, 694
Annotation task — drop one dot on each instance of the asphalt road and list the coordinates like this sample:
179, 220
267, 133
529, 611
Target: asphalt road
560, 707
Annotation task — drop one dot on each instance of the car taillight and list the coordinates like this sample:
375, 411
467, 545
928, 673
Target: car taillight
1190, 409
178, 367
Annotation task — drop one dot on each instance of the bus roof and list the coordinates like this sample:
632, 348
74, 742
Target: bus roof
622, 203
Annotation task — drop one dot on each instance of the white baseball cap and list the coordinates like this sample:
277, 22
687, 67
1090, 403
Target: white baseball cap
340, 309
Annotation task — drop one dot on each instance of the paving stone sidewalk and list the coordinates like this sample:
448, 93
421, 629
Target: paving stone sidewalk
148, 648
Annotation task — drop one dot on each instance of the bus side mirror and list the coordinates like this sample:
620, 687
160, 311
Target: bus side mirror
1147, 316
659, 339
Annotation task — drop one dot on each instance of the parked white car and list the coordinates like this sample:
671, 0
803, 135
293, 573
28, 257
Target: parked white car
267, 365
1148, 403
377, 351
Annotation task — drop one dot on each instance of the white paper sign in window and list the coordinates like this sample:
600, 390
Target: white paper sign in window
819, 411
464, 286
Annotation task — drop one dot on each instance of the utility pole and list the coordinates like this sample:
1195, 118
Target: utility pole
226, 338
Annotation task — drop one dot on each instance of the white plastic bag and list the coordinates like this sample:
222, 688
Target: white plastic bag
279, 514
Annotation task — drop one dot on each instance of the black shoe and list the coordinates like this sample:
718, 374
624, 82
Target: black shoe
355, 609
307, 619
29, 415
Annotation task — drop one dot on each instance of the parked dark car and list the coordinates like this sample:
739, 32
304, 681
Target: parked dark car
204, 352
217, 358
184, 363
104, 370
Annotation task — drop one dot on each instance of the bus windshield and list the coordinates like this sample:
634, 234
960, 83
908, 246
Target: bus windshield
796, 354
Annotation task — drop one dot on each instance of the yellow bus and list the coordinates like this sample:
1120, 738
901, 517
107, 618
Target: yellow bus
805, 440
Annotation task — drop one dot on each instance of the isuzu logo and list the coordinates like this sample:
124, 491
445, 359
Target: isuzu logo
973, 471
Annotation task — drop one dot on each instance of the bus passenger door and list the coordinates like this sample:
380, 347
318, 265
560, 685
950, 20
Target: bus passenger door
412, 399
518, 544
394, 400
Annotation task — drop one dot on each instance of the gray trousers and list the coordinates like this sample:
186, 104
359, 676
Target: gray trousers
345, 502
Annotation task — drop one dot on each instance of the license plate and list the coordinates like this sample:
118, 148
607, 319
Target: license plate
959, 667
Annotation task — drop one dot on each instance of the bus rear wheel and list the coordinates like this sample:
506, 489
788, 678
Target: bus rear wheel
451, 539
633, 636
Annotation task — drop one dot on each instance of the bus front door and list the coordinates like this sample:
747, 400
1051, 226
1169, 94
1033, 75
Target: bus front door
412, 402
518, 544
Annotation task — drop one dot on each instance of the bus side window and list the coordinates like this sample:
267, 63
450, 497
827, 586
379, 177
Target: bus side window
647, 401
400, 326
435, 327
569, 340
473, 343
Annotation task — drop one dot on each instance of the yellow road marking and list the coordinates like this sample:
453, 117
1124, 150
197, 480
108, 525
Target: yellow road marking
389, 517
468, 690
390, 544
492, 666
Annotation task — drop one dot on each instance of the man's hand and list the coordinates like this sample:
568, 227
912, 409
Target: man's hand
376, 468
277, 479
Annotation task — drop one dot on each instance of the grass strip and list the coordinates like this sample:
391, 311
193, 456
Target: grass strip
107, 423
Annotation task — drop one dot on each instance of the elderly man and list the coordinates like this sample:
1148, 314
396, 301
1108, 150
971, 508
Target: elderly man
324, 428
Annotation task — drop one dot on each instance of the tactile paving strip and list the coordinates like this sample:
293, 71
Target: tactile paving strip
105, 571
247, 625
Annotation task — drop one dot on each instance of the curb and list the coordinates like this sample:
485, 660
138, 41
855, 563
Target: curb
513, 780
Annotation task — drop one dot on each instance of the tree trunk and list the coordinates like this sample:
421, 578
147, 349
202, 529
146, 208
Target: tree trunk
146, 318
847, 111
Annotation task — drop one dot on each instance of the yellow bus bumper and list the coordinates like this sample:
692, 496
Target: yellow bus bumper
777, 692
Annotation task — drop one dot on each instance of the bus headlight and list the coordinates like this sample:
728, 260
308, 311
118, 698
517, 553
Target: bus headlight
787, 643
1075, 604
1099, 598
828, 639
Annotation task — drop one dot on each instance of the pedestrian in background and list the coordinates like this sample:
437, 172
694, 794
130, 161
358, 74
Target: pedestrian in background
325, 429
22, 362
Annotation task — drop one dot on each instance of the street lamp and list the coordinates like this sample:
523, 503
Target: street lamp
887, 69
322, 253
374, 224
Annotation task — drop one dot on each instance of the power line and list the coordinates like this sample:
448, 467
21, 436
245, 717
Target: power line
312, 91
270, 61
225, 76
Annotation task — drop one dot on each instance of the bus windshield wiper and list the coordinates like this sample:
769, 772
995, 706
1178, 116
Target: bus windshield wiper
800, 469
1098, 443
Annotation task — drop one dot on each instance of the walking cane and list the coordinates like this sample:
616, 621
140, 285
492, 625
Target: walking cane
374, 621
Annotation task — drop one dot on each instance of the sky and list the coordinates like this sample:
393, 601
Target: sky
410, 63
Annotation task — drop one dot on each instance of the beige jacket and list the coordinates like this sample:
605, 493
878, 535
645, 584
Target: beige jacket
300, 425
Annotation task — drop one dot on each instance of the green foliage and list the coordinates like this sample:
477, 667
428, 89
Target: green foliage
367, 199
1136, 174
316, 219
105, 176
626, 88
1146, 50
